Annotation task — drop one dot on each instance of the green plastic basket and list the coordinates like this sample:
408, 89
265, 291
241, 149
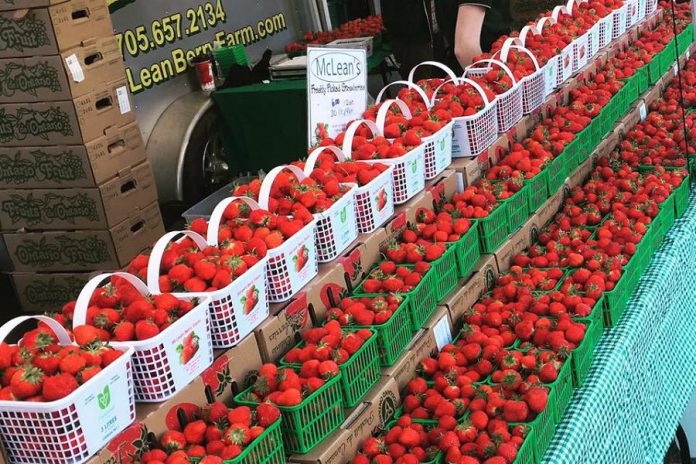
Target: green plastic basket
544, 428
228, 56
582, 356
587, 144
493, 229
304, 426
615, 301
446, 275
525, 455
685, 38
468, 251
572, 154
266, 449
668, 56
643, 79
668, 213
556, 173
681, 197
537, 188
562, 391
422, 300
358, 375
517, 208
393, 336
654, 71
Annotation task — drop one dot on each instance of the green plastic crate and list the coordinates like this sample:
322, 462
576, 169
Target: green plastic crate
537, 188
445, 270
583, 355
643, 79
468, 251
685, 38
615, 301
304, 426
668, 214
544, 428
556, 173
493, 229
654, 71
422, 300
681, 197
562, 391
360, 373
266, 449
228, 56
393, 336
572, 154
517, 208
525, 455
668, 56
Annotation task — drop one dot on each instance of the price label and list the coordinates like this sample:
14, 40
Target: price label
675, 68
75, 69
443, 334
688, 54
123, 101
643, 112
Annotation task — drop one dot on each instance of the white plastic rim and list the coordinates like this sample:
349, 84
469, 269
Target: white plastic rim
451, 74
412, 86
409, 169
73, 428
230, 318
374, 202
159, 368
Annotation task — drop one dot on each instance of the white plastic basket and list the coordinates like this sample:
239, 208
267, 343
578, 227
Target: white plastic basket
374, 202
230, 318
632, 14
619, 19
335, 228
593, 40
286, 272
509, 104
565, 58
71, 429
408, 176
580, 44
438, 147
160, 369
550, 71
605, 27
533, 85
642, 5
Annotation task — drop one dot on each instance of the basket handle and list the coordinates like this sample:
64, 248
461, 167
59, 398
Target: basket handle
557, 10
511, 43
58, 330
153, 267
544, 20
526, 30
465, 80
265, 192
216, 217
350, 133
82, 303
314, 156
435, 64
411, 86
491, 61
384, 109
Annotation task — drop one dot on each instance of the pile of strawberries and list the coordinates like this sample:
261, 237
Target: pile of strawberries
326, 169
390, 277
360, 27
327, 343
214, 434
480, 199
361, 311
286, 386
424, 122
366, 147
39, 370
118, 312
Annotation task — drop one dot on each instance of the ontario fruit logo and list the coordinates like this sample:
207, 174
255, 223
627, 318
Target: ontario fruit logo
15, 77
28, 122
18, 34
104, 398
344, 214
382, 199
65, 250
59, 168
49, 208
188, 348
47, 293
301, 258
250, 299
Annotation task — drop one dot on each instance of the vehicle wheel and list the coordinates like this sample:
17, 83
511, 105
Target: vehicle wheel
205, 168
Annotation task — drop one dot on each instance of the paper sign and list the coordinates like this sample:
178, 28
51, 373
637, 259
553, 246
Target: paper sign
675, 68
123, 102
443, 334
75, 69
336, 90
643, 112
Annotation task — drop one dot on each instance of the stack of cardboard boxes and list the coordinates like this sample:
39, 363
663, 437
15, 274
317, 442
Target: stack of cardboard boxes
77, 194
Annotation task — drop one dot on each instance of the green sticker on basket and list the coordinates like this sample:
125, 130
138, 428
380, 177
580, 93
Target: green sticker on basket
414, 166
344, 214
442, 144
104, 398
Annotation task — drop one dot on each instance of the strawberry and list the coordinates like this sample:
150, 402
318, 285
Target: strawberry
27, 382
72, 364
267, 414
145, 330
58, 386
173, 441
237, 434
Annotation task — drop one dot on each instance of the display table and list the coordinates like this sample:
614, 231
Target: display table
644, 371
265, 125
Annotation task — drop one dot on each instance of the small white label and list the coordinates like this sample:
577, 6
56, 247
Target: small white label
675, 68
443, 334
123, 101
643, 111
460, 182
75, 69
688, 54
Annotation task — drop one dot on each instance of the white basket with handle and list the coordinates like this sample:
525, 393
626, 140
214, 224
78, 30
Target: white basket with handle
605, 29
632, 14
642, 6
234, 310
166, 363
288, 267
408, 176
438, 146
592, 32
508, 104
335, 229
551, 69
73, 428
533, 85
374, 202
619, 17
566, 57
580, 44
650, 7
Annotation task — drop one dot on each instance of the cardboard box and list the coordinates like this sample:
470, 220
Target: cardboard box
42, 292
488, 268
279, 332
79, 208
360, 258
366, 419
549, 209
7, 5
61, 77
518, 241
85, 250
52, 29
73, 166
66, 122
443, 187
467, 171
581, 173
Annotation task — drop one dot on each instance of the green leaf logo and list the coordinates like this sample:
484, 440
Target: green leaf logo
414, 166
442, 144
344, 214
104, 398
